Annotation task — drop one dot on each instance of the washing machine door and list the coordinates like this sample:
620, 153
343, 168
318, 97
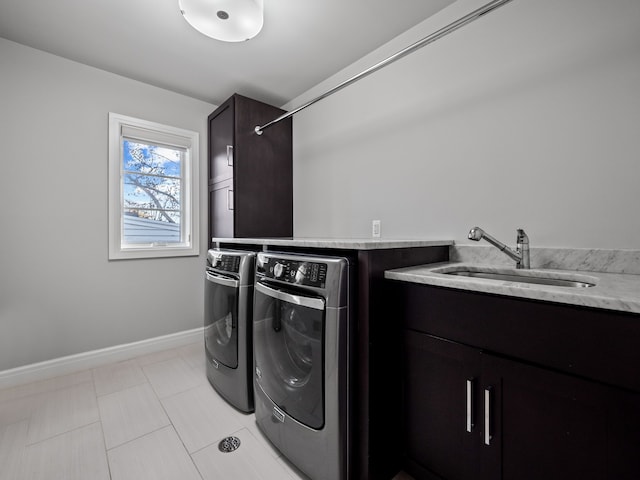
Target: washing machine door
288, 332
221, 318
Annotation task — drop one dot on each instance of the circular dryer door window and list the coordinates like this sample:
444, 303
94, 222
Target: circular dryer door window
289, 353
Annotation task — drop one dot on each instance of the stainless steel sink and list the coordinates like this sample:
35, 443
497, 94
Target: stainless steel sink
530, 277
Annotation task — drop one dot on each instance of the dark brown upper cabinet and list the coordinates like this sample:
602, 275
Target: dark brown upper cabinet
250, 176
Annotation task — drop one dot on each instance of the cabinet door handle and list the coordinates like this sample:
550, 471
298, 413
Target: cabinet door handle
230, 155
229, 199
469, 405
487, 415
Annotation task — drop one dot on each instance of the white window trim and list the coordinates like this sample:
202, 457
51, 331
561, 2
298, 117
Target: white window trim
191, 181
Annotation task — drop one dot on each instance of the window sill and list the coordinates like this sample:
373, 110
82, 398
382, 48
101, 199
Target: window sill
154, 252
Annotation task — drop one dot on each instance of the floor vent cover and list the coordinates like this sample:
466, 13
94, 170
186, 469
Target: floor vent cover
229, 444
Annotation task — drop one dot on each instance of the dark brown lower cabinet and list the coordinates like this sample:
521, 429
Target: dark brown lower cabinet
470, 414
436, 374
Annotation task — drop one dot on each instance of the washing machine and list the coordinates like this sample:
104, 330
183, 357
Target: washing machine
302, 340
228, 307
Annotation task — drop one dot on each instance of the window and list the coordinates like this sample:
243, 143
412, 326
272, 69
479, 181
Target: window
153, 189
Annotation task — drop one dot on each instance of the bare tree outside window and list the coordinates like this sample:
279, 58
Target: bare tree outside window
151, 192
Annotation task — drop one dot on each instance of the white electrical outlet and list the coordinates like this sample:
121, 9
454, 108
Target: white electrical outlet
375, 228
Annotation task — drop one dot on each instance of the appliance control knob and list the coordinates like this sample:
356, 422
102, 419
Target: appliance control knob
278, 270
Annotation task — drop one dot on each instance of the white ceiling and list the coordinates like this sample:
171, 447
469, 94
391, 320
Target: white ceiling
302, 43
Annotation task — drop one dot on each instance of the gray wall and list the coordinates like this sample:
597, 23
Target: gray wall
528, 117
59, 294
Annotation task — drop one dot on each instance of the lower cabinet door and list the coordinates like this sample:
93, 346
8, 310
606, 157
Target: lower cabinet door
624, 436
441, 411
545, 425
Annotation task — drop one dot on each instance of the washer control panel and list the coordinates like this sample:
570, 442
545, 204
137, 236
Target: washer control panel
312, 274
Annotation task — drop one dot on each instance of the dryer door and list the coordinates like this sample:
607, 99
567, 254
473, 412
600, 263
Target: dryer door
288, 333
221, 318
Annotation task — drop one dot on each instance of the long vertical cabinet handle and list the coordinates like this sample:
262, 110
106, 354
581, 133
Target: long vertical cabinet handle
470, 405
229, 199
487, 415
230, 155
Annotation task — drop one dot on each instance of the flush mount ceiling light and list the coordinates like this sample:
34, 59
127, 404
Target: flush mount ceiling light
226, 20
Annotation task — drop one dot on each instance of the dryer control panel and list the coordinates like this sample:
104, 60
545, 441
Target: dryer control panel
312, 274
225, 263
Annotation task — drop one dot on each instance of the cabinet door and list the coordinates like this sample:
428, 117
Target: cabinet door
441, 415
221, 144
543, 424
624, 436
221, 199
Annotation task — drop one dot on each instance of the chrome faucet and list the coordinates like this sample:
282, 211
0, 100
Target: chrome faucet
521, 254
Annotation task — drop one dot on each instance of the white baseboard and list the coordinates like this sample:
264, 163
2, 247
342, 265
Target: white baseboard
96, 358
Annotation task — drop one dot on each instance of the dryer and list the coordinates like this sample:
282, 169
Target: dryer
302, 352
229, 281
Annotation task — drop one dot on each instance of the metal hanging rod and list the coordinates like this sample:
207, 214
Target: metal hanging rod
411, 48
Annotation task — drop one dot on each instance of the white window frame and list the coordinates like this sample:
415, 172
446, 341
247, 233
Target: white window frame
167, 135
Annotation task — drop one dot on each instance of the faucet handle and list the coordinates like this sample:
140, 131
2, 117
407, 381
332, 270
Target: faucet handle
476, 233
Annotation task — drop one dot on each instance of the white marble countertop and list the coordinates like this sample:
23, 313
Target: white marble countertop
612, 291
343, 243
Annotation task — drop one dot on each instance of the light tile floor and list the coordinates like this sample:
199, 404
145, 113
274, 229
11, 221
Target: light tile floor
154, 417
